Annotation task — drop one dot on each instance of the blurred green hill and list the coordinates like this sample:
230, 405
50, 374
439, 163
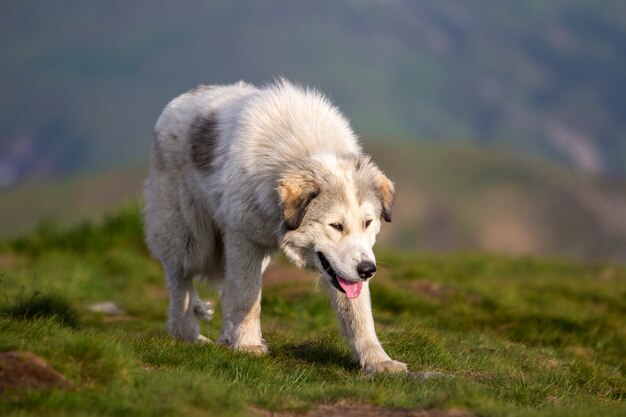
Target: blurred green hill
449, 198
83, 82
461, 198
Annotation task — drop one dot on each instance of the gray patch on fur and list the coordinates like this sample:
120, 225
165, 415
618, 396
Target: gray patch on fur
203, 135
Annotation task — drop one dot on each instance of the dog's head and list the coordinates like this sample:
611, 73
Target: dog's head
332, 210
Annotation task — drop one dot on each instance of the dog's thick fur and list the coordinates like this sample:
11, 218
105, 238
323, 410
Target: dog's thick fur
237, 172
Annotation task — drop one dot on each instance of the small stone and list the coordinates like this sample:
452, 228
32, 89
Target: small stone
106, 307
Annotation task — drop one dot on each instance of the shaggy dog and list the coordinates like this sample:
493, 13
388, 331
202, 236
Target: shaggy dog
237, 172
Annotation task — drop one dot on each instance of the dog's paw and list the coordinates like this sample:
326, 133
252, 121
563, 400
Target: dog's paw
190, 337
204, 310
256, 350
390, 366
224, 340
202, 339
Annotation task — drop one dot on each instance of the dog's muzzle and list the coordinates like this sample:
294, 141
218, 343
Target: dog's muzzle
330, 271
352, 289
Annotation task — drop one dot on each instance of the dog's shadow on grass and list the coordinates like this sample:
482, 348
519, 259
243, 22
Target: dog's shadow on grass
317, 353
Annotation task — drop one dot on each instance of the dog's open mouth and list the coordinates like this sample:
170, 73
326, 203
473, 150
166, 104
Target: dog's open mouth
350, 288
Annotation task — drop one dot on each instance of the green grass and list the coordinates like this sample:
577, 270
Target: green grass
510, 336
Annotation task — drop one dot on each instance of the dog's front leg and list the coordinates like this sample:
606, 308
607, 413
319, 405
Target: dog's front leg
241, 295
357, 324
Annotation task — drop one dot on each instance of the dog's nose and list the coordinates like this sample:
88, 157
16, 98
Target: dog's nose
366, 269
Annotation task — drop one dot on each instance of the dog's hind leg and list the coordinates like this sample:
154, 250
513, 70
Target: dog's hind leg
186, 307
357, 325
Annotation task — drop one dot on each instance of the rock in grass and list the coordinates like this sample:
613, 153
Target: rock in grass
106, 307
26, 371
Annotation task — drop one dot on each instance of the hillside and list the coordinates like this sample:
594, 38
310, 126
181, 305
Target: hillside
452, 198
482, 335
83, 82
449, 198
67, 201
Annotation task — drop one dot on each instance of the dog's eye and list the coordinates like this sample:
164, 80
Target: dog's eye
367, 223
337, 226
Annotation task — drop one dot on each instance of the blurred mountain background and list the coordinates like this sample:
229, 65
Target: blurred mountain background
501, 121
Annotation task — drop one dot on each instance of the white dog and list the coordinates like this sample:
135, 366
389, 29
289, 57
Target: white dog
238, 172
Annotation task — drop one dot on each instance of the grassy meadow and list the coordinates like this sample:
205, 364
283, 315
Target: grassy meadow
484, 335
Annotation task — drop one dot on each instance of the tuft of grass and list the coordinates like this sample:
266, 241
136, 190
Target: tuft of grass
499, 336
39, 306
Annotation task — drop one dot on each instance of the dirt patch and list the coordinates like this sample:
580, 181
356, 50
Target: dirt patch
117, 319
278, 273
476, 375
24, 370
348, 409
158, 292
581, 351
6, 261
430, 289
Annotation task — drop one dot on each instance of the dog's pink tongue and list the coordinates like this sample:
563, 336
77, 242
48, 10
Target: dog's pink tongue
352, 289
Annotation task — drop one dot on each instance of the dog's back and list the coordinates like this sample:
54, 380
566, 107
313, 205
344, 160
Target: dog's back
172, 130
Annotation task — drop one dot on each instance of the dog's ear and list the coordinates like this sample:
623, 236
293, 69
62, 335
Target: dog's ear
372, 178
387, 193
296, 193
